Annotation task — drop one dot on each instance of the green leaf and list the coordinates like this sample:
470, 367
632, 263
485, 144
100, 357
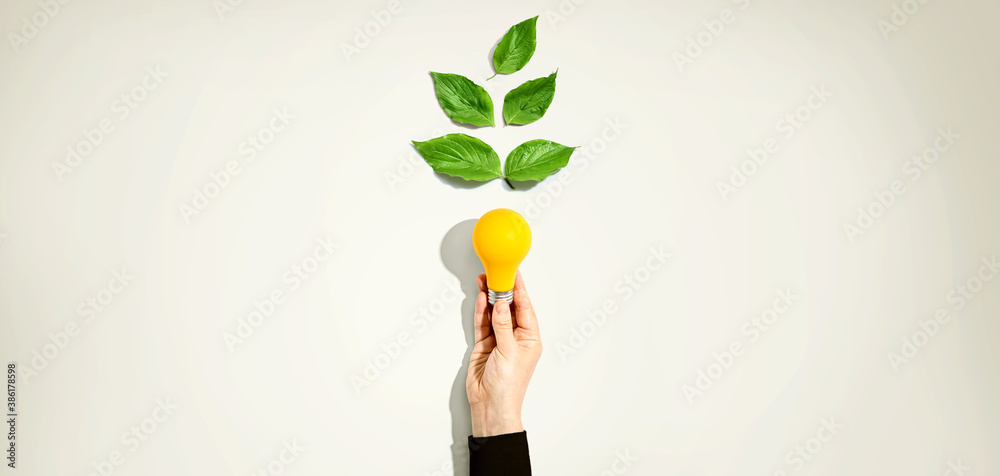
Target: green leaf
460, 156
462, 100
515, 48
536, 159
528, 102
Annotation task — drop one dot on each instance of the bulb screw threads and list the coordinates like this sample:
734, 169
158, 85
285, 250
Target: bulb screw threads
494, 296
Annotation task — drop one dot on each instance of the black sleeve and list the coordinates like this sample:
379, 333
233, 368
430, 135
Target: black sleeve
501, 455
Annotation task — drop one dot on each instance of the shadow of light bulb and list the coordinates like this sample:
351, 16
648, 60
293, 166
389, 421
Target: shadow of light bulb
460, 258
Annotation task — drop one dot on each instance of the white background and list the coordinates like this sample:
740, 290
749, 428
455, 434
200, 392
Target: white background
343, 168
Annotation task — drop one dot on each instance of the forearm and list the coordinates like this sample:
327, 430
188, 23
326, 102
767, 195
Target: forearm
491, 420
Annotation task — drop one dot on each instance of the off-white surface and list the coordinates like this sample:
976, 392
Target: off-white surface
654, 185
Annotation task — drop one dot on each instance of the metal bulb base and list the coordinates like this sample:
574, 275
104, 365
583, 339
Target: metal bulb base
494, 296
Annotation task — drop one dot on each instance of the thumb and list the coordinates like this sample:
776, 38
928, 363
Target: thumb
503, 328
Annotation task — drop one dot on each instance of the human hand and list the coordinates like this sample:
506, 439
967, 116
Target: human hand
507, 348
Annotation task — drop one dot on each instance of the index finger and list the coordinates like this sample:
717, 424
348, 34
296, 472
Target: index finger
481, 319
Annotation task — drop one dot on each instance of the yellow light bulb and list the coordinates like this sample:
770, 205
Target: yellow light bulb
501, 239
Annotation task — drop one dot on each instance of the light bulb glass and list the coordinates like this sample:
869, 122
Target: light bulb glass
501, 239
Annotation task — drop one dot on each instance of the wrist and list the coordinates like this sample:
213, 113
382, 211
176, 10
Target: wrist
492, 420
